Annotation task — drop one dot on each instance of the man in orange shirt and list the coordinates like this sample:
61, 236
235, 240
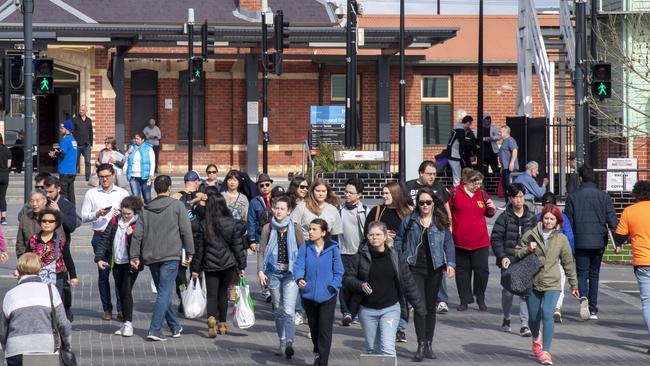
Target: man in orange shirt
634, 226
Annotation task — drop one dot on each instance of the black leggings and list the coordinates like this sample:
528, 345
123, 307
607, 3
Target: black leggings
124, 280
4, 184
320, 317
428, 283
468, 262
216, 284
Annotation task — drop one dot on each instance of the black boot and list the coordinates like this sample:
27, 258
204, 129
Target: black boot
428, 351
419, 354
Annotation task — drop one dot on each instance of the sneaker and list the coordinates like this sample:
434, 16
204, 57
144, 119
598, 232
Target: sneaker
557, 315
347, 320
298, 319
462, 307
3, 221
442, 308
584, 308
525, 332
482, 306
593, 316
288, 351
309, 334
545, 358
127, 330
505, 326
279, 351
177, 334
537, 348
156, 337
400, 337
355, 321
120, 332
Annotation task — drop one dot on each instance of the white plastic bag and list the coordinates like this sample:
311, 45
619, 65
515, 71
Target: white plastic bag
154, 290
243, 314
194, 300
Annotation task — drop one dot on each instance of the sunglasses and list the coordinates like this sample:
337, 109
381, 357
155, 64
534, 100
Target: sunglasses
264, 185
303, 187
40, 187
48, 221
425, 203
212, 172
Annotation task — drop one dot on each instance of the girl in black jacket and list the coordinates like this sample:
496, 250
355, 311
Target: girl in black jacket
113, 251
219, 251
382, 280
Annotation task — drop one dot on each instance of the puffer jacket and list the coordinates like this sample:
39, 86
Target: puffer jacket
590, 212
555, 251
357, 271
225, 250
507, 232
409, 238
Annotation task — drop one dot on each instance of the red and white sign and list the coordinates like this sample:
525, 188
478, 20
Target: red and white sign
620, 179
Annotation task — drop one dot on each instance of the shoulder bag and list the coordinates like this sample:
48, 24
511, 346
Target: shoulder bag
518, 277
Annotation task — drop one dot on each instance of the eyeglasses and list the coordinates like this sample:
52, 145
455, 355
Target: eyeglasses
212, 172
476, 183
350, 193
425, 203
264, 185
303, 187
105, 176
40, 187
48, 221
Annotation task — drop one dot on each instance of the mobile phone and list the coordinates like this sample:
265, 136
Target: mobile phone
107, 208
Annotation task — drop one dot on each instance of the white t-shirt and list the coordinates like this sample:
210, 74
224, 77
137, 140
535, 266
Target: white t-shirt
329, 213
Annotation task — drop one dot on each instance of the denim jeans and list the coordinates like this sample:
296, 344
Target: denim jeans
139, 187
540, 307
379, 326
642, 274
103, 281
85, 151
164, 276
588, 268
442, 293
284, 292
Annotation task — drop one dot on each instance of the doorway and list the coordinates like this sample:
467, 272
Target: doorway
53, 109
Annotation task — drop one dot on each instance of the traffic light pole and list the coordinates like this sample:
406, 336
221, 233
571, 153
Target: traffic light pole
28, 9
479, 103
351, 76
190, 92
579, 81
402, 106
265, 91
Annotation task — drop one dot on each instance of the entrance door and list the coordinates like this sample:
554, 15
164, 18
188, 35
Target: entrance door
53, 110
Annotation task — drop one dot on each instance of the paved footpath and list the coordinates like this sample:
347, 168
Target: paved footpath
469, 338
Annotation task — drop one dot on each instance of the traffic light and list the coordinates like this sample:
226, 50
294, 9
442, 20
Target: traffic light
44, 81
204, 40
5, 83
601, 81
196, 68
276, 63
281, 30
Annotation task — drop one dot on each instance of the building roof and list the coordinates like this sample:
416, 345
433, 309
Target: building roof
499, 37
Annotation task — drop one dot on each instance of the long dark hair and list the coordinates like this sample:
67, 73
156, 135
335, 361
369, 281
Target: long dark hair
324, 227
293, 189
215, 209
440, 217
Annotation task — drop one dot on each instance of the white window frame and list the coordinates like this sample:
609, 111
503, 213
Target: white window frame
342, 99
424, 99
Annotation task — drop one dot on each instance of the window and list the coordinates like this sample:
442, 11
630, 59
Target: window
144, 99
338, 88
198, 107
436, 109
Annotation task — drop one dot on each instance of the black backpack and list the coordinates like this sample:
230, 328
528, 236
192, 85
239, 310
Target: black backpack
263, 217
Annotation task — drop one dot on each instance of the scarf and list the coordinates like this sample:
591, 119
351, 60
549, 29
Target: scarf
271, 251
120, 244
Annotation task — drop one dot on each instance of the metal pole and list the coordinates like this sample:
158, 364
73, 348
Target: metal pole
594, 30
190, 89
402, 106
351, 76
551, 130
479, 103
438, 7
265, 90
579, 81
28, 9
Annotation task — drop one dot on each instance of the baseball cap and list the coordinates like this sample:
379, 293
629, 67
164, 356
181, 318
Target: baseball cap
67, 124
487, 116
191, 176
264, 178
277, 191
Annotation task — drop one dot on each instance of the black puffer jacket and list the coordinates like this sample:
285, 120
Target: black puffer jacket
590, 212
507, 232
357, 271
225, 250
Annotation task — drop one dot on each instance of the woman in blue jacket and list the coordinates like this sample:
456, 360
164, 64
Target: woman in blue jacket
319, 272
424, 239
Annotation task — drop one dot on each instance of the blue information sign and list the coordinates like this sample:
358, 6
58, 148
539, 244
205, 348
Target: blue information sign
327, 125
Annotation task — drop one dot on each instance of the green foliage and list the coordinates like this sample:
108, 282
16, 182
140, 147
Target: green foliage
325, 162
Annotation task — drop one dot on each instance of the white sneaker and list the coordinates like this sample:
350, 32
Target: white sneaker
593, 316
584, 309
128, 330
298, 319
442, 308
120, 332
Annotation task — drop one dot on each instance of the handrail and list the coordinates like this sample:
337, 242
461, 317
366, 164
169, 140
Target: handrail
568, 35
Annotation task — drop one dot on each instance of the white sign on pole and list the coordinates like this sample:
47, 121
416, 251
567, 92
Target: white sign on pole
624, 175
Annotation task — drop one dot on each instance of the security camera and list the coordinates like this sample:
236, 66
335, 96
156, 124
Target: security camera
339, 13
18, 3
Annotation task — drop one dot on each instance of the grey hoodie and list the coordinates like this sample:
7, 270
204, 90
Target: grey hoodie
162, 230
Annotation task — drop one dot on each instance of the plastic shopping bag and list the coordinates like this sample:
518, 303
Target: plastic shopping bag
243, 314
194, 300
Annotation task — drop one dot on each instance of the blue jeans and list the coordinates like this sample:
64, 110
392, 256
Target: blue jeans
540, 309
85, 151
284, 292
588, 268
103, 280
139, 187
379, 326
642, 274
164, 276
442, 293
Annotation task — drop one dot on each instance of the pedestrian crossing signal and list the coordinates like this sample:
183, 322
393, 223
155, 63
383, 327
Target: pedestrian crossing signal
601, 81
197, 68
44, 81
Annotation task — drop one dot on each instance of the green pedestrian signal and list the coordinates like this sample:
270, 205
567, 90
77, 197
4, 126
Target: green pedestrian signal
44, 85
197, 74
601, 81
44, 80
196, 68
602, 89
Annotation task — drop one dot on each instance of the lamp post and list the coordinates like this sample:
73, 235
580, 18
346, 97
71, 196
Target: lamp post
479, 100
190, 88
351, 76
28, 10
402, 107
265, 90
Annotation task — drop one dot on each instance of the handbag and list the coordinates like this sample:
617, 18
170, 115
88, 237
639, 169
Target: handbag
518, 277
67, 357
94, 179
48, 273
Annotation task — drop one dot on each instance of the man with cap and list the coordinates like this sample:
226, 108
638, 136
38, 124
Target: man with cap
572, 179
490, 148
66, 153
259, 207
191, 198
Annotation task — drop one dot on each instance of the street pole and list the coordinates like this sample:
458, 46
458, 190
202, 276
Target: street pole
594, 31
28, 10
190, 88
265, 91
351, 76
438, 7
402, 107
579, 81
479, 103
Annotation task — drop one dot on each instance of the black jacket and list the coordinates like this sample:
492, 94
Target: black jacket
104, 251
83, 131
590, 212
387, 215
69, 213
357, 271
507, 232
225, 250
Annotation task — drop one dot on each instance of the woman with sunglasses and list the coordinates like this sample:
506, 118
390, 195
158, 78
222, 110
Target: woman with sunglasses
113, 251
470, 205
297, 191
424, 239
51, 248
212, 180
236, 201
108, 155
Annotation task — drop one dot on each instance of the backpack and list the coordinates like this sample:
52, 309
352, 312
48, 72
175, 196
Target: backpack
263, 217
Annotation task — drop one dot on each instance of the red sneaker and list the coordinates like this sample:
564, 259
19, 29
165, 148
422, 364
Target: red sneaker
537, 348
